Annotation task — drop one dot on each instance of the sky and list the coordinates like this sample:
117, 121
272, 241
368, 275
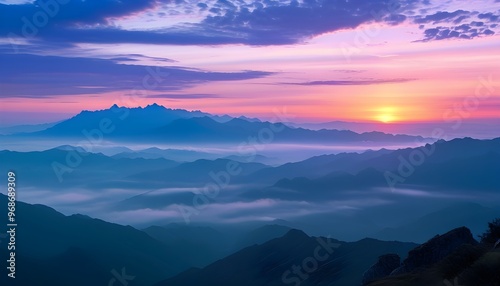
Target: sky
323, 60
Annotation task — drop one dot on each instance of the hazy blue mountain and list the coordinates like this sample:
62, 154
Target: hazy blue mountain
221, 118
125, 121
382, 160
76, 167
180, 155
456, 169
198, 171
175, 184
249, 119
25, 128
267, 263
318, 166
68, 244
156, 123
338, 125
257, 159
260, 235
110, 150
478, 172
226, 118
460, 175
238, 130
458, 164
472, 173
171, 154
438, 152
202, 245
474, 128
198, 245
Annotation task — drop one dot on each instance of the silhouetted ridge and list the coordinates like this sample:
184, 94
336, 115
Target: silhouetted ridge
436, 249
295, 234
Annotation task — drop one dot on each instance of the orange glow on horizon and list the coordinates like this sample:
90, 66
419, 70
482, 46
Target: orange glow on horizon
386, 114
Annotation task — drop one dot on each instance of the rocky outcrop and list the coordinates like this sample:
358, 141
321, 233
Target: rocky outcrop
435, 250
382, 268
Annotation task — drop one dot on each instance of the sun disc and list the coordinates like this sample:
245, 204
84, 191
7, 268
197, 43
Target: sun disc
386, 118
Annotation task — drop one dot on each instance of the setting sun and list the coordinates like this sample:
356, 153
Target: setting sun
386, 118
386, 114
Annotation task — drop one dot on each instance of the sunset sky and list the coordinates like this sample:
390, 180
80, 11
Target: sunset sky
351, 60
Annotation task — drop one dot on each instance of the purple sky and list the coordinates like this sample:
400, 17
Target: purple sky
352, 60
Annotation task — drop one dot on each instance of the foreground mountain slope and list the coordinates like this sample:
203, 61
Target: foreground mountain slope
465, 262
197, 245
272, 263
203, 245
260, 235
65, 244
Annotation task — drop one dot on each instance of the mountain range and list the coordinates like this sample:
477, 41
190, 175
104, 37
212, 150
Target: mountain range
455, 171
254, 219
156, 123
55, 249
63, 248
274, 262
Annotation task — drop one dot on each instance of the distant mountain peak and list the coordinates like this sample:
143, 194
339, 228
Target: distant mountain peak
155, 106
296, 234
79, 149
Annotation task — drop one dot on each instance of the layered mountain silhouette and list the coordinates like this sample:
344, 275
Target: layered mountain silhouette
171, 154
441, 152
197, 171
198, 245
61, 248
156, 123
54, 249
237, 236
478, 172
68, 166
64, 248
323, 261
203, 245
459, 164
456, 169
125, 121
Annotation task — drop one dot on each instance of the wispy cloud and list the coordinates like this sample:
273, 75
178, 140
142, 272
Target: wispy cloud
47, 76
355, 82
185, 95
